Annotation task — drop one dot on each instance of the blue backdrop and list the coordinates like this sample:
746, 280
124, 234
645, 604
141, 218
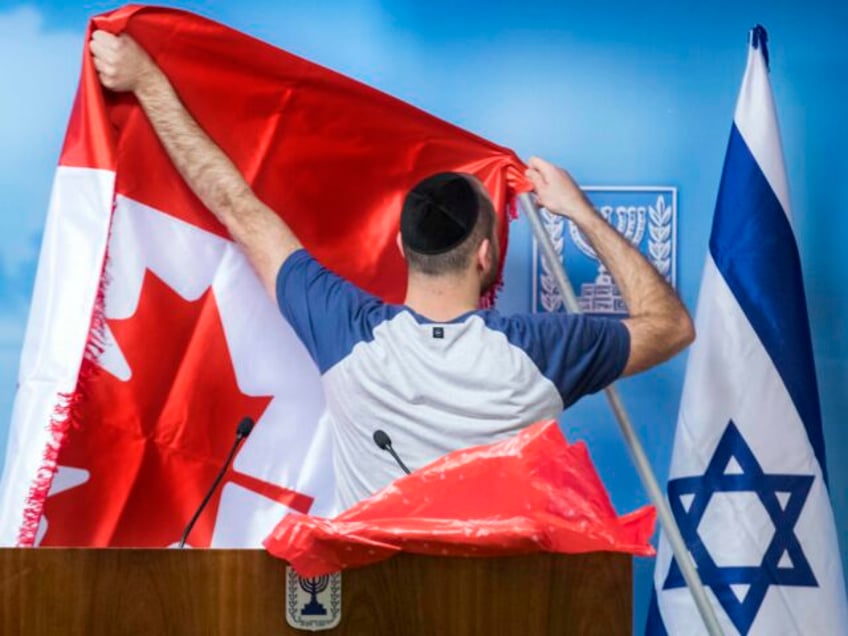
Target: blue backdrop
619, 93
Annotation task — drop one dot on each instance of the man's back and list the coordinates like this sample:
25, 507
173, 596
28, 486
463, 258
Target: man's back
434, 387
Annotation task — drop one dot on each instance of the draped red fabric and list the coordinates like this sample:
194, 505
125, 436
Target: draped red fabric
332, 156
531, 493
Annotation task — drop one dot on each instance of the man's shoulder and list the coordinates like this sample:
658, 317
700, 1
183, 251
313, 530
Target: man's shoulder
302, 275
328, 313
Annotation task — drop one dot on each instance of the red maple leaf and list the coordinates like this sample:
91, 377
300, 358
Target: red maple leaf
153, 444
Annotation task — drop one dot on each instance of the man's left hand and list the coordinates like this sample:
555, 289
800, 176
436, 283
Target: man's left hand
121, 63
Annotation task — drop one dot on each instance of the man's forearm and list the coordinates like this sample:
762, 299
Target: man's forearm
207, 170
662, 318
213, 177
642, 287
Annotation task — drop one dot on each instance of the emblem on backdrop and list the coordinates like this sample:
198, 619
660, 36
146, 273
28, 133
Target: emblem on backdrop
646, 216
313, 604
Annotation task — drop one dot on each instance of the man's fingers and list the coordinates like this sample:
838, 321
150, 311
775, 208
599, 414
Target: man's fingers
95, 47
541, 173
104, 38
104, 45
535, 178
534, 171
101, 51
539, 186
102, 66
539, 164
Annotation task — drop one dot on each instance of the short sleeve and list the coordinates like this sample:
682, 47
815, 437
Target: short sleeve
580, 354
329, 314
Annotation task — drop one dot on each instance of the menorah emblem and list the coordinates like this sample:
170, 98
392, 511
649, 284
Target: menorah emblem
645, 216
314, 587
313, 603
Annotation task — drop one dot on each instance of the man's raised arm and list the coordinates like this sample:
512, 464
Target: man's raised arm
265, 238
659, 324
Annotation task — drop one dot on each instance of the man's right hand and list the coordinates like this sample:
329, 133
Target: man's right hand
556, 191
121, 63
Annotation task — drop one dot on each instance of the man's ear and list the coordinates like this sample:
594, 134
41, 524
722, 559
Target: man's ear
399, 242
485, 257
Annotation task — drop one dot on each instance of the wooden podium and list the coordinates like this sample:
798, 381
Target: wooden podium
51, 591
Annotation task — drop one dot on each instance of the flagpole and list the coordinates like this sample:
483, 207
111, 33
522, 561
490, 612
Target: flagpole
637, 452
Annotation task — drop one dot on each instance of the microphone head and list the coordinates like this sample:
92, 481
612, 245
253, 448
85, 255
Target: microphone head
381, 439
244, 427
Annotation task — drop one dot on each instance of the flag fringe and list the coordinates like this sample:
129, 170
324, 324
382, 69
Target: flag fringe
66, 414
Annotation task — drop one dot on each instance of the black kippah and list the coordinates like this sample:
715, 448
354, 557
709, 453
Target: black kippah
438, 213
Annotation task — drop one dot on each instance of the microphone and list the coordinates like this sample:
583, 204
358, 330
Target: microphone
242, 431
382, 440
244, 427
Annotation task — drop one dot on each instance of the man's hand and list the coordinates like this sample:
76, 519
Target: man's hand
121, 63
556, 190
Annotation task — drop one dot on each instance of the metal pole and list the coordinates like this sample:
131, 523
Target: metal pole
637, 453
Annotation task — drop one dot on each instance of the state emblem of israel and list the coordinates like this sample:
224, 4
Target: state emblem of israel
645, 216
313, 604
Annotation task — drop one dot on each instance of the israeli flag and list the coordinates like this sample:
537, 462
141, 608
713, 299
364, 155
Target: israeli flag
748, 481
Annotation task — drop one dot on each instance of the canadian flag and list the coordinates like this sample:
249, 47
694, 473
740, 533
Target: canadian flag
150, 337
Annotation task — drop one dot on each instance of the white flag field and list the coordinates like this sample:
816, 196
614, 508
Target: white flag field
748, 478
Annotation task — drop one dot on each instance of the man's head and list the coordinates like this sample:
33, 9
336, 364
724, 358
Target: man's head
447, 226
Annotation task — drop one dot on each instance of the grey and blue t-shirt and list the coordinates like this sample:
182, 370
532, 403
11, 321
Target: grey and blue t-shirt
435, 387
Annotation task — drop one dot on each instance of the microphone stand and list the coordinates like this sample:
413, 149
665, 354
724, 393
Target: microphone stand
242, 431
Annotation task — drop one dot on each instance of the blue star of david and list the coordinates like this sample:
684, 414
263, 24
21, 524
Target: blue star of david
751, 479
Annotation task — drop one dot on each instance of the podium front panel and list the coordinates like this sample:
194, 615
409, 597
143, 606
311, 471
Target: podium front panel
53, 591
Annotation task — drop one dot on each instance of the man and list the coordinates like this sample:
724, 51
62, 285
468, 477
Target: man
436, 373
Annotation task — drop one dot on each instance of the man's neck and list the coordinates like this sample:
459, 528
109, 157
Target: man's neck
442, 298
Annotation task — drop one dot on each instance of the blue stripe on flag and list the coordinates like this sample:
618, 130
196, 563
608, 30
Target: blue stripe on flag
754, 248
